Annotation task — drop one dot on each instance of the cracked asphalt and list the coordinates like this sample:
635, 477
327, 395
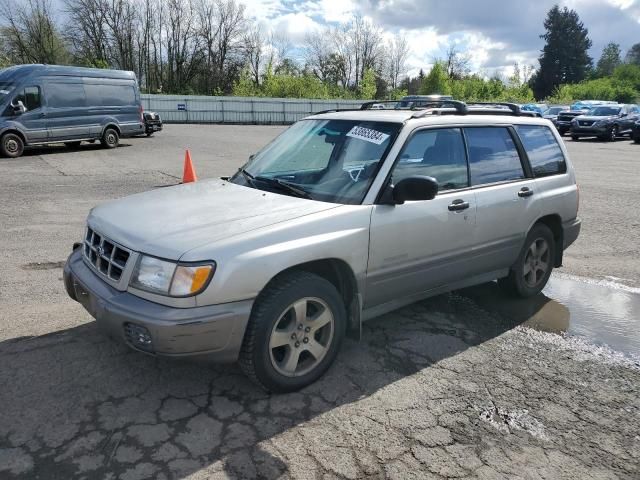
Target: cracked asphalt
445, 388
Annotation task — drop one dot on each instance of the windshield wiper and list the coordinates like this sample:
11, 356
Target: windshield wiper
286, 186
248, 177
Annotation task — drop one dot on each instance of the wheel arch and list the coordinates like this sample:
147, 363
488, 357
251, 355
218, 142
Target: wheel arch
341, 276
113, 125
15, 131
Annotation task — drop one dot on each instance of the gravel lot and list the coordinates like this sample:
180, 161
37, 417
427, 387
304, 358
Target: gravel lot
444, 388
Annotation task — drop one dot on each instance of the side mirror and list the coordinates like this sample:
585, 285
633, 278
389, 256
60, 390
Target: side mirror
414, 188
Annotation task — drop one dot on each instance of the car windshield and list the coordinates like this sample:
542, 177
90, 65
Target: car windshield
5, 90
604, 111
554, 110
328, 160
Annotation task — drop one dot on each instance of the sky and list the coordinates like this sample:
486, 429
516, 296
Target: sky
496, 33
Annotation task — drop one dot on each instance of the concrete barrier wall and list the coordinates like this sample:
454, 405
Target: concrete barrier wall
242, 110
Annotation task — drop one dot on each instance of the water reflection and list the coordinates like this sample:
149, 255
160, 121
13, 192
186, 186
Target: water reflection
603, 315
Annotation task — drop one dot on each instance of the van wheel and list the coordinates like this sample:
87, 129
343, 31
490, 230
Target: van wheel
529, 275
72, 144
294, 333
110, 138
11, 145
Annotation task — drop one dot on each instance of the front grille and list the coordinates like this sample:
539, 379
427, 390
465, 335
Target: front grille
585, 123
106, 257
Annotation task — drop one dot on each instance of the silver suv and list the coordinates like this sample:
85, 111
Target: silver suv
343, 217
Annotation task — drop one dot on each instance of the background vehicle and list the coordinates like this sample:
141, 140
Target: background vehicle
534, 107
152, 123
41, 104
345, 216
635, 133
607, 122
552, 113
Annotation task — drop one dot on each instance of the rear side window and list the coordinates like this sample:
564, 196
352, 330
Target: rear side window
110, 95
65, 95
493, 156
545, 155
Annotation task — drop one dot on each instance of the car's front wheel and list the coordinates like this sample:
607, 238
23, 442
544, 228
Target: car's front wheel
531, 271
613, 133
11, 145
296, 327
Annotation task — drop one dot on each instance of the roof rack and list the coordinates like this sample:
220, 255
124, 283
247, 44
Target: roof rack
445, 107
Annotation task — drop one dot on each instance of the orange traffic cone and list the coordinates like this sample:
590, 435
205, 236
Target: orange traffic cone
189, 173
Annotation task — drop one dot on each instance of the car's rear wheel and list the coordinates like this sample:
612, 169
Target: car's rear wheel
531, 271
11, 145
110, 138
294, 333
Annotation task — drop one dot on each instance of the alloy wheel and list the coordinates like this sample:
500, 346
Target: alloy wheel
301, 337
537, 262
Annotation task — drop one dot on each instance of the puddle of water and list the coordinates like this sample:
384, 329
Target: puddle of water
602, 314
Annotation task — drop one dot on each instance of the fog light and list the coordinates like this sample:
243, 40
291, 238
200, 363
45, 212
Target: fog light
138, 336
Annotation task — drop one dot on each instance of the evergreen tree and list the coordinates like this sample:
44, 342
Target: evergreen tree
437, 82
564, 57
633, 55
609, 60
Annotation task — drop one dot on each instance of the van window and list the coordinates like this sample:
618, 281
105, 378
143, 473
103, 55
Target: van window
544, 153
65, 95
437, 153
493, 156
30, 98
110, 95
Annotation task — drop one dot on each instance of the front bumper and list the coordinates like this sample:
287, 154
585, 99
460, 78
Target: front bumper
589, 131
213, 332
571, 230
151, 127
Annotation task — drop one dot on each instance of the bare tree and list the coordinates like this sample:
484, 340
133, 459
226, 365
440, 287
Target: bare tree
365, 43
184, 53
86, 31
254, 42
30, 33
398, 52
457, 64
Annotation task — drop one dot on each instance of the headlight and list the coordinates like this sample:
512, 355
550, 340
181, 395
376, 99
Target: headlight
168, 278
600, 123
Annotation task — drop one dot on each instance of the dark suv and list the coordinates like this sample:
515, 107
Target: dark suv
563, 120
607, 122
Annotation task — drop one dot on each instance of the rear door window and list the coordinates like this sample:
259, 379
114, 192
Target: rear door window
110, 95
493, 156
545, 155
65, 95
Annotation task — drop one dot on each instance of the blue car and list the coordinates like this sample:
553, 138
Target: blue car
41, 104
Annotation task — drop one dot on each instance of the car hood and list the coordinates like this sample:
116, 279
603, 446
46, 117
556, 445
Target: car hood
168, 222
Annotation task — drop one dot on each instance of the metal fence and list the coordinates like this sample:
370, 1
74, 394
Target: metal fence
242, 110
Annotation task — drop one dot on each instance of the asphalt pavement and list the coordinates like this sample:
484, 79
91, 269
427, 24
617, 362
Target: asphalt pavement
449, 387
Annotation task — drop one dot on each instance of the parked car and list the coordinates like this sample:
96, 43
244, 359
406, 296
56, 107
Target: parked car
635, 133
152, 123
607, 122
41, 104
535, 107
552, 113
343, 217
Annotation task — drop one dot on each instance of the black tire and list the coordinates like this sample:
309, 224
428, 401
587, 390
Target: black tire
575, 138
72, 144
110, 138
519, 283
612, 134
11, 145
273, 306
149, 134
562, 132
636, 139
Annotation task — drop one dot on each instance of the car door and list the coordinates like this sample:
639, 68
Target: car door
418, 246
33, 118
505, 196
66, 110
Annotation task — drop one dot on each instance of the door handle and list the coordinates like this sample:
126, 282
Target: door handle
525, 192
458, 205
